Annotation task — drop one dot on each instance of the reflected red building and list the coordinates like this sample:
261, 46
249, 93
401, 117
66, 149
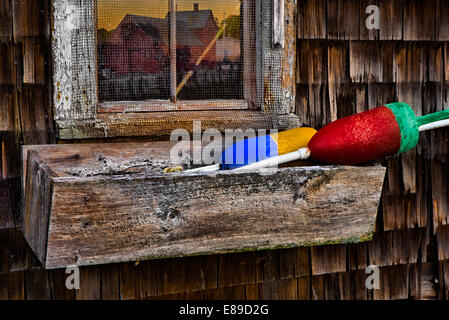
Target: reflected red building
141, 44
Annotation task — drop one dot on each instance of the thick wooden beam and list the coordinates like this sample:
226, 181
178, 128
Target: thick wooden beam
103, 203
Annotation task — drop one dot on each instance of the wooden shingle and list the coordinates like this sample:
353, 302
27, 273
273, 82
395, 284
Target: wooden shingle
110, 283
434, 63
7, 114
389, 74
349, 98
287, 262
129, 286
444, 266
328, 259
419, 20
343, 20
312, 62
228, 293
30, 18
399, 286
338, 73
338, 70
6, 215
37, 285
391, 200
21, 256
279, 290
421, 192
302, 263
408, 162
390, 19
346, 289
439, 174
59, 289
34, 71
6, 18
429, 279
360, 290
35, 115
317, 287
312, 23
365, 61
395, 247
243, 266
90, 284
7, 69
251, 291
443, 242
442, 23
12, 286
409, 63
357, 256
365, 33
312, 104
4, 252
304, 287
446, 60
380, 94
411, 93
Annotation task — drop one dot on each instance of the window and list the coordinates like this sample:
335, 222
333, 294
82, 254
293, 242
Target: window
130, 68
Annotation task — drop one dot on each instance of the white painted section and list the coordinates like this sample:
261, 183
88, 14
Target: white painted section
434, 125
301, 154
65, 21
74, 59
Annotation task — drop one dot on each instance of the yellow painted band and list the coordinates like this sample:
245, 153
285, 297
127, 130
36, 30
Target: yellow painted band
292, 140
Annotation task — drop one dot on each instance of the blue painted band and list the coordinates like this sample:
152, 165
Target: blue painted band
247, 151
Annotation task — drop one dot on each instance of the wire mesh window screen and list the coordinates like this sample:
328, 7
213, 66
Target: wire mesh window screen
211, 40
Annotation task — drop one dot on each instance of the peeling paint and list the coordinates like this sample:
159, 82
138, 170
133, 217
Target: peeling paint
63, 11
268, 98
72, 20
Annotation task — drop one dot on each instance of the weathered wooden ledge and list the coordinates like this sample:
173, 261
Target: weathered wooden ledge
90, 204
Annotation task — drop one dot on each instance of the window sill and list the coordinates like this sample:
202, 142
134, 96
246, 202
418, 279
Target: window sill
88, 204
158, 124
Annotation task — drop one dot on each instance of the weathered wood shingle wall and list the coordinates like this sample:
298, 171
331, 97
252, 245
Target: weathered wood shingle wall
341, 68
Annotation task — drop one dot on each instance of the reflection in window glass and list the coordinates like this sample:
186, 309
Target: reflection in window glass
133, 49
132, 43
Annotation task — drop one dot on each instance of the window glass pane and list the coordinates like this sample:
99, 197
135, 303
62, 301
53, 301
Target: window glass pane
133, 46
133, 49
209, 49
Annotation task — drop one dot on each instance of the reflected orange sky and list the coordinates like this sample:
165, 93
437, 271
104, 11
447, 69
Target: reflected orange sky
112, 12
